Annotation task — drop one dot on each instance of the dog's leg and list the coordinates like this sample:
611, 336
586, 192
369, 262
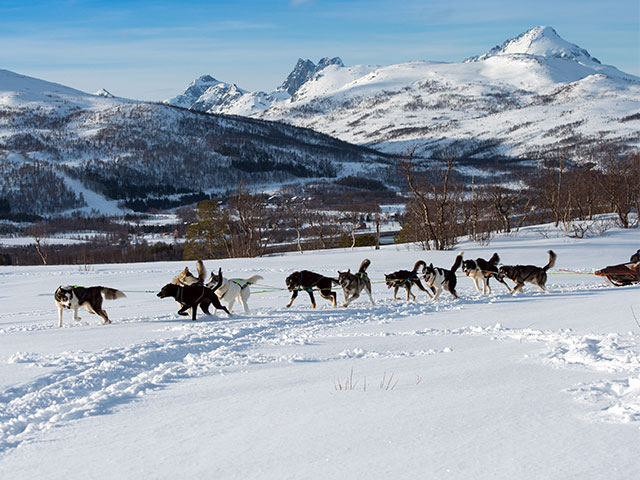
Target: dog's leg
504, 283
353, 297
518, 286
475, 280
437, 295
75, 313
60, 308
329, 295
395, 292
194, 312
368, 290
183, 310
293, 297
103, 314
313, 300
418, 283
204, 306
409, 293
243, 298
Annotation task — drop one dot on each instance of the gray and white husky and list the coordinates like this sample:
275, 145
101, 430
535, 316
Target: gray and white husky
74, 297
354, 283
521, 274
233, 289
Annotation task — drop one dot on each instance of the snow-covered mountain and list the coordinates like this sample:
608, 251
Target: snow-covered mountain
532, 95
63, 149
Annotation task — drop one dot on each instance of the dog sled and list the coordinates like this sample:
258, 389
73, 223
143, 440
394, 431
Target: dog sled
621, 275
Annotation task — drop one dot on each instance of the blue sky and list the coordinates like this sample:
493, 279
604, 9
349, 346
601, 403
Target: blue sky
151, 50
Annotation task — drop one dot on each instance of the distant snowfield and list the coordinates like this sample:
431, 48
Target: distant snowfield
538, 385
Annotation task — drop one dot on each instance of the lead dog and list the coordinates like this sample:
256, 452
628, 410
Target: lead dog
192, 296
185, 278
440, 278
353, 284
233, 289
521, 274
74, 297
307, 281
406, 279
481, 269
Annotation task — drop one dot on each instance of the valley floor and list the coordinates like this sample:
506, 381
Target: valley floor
536, 385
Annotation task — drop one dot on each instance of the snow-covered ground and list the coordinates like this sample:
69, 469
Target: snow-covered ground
538, 385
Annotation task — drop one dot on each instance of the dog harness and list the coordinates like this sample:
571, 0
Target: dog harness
241, 283
82, 291
180, 295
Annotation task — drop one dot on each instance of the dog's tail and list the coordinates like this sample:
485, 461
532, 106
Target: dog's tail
202, 271
364, 265
552, 260
254, 279
111, 293
417, 266
495, 259
457, 263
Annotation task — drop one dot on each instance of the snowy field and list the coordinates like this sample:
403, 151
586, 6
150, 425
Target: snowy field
533, 386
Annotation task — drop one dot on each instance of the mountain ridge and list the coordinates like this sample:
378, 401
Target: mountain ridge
433, 105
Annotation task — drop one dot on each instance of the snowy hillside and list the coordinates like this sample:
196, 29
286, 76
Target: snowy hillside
537, 385
63, 150
535, 94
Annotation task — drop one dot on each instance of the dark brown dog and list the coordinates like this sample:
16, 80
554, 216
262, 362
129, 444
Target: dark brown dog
308, 281
406, 279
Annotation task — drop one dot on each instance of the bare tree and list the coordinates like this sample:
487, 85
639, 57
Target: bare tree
434, 204
252, 223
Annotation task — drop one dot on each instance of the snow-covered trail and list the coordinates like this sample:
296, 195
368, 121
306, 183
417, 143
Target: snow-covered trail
527, 375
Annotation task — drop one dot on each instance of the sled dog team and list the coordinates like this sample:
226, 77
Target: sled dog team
191, 291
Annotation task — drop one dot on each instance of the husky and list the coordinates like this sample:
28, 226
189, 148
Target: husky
307, 281
192, 296
188, 278
233, 289
481, 269
440, 278
353, 284
521, 274
74, 297
406, 279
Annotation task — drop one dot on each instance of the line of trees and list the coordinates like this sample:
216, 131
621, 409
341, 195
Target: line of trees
441, 208
442, 205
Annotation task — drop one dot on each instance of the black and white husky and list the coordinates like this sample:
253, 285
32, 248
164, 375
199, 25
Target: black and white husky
74, 297
440, 278
353, 284
481, 269
521, 274
232, 289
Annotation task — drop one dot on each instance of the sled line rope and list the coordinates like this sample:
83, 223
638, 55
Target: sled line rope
563, 271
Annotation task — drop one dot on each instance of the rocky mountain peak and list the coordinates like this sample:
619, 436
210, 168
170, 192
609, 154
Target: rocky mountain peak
540, 41
304, 70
